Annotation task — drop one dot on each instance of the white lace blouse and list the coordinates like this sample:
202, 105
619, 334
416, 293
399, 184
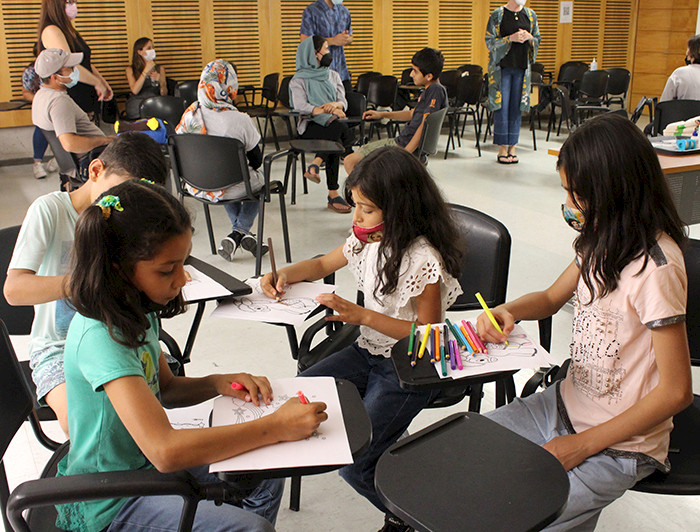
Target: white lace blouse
421, 265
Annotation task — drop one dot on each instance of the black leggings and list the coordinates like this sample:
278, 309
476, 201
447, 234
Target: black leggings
335, 131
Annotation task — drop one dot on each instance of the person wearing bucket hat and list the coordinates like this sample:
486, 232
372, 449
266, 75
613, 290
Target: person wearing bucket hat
52, 108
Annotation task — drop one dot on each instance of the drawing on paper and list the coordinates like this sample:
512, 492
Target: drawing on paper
259, 302
519, 345
195, 423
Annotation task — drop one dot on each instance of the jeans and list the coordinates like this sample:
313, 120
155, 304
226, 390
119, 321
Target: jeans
506, 120
391, 408
40, 144
162, 513
242, 215
593, 484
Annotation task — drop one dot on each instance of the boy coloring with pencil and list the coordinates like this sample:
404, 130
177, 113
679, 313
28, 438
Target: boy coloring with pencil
426, 67
38, 272
402, 255
127, 272
608, 422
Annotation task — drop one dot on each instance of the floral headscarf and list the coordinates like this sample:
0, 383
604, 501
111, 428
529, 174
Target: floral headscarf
217, 89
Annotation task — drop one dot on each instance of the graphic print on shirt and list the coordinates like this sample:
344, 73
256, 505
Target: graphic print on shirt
149, 370
595, 352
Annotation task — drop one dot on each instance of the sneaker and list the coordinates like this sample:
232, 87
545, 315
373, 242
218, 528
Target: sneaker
229, 245
250, 243
394, 524
52, 166
39, 171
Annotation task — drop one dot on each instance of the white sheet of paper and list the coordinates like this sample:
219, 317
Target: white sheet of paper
202, 286
521, 353
328, 445
298, 302
190, 417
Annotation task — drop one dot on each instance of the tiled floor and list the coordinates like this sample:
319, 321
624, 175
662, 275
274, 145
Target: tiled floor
525, 197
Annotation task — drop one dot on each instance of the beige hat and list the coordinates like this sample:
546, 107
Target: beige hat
52, 60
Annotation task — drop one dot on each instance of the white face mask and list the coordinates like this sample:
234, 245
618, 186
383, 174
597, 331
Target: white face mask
74, 78
337, 2
521, 2
149, 55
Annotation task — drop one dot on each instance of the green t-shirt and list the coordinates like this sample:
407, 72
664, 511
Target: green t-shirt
99, 442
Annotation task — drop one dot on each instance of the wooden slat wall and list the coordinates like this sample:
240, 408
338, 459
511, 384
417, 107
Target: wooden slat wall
663, 27
261, 36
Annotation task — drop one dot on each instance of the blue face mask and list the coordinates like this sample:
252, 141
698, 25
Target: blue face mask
573, 217
74, 78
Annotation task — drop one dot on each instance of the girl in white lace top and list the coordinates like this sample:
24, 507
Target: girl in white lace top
403, 254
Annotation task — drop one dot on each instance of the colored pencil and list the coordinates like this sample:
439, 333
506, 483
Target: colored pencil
274, 268
459, 358
437, 343
410, 340
454, 333
468, 338
488, 313
443, 362
431, 345
445, 341
471, 328
424, 341
415, 351
453, 356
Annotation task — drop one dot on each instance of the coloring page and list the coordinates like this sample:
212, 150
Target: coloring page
521, 352
298, 301
328, 445
202, 286
190, 417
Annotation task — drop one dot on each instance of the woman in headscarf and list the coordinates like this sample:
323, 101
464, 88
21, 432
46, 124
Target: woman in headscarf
214, 113
317, 91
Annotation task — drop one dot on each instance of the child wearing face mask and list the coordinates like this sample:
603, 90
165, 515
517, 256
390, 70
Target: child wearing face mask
146, 77
403, 256
608, 422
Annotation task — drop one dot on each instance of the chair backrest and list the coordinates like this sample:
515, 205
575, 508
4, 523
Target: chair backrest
363, 81
357, 104
537, 67
450, 80
207, 162
187, 90
486, 245
17, 319
674, 111
471, 70
572, 71
382, 91
406, 78
67, 164
167, 108
593, 84
283, 92
468, 90
269, 87
431, 134
692, 320
618, 81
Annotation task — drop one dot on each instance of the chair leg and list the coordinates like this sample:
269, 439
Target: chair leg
294, 179
294, 494
532, 128
290, 160
285, 229
449, 137
477, 131
304, 182
261, 226
475, 398
210, 230
274, 133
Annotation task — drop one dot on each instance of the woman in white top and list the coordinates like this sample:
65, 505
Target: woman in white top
684, 83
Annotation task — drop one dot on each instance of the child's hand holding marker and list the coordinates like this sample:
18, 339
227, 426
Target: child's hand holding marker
244, 386
272, 290
486, 330
297, 420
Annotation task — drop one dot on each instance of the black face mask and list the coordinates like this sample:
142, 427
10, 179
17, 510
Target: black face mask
326, 60
687, 61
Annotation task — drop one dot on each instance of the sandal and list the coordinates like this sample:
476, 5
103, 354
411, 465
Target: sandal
339, 205
314, 177
513, 158
503, 159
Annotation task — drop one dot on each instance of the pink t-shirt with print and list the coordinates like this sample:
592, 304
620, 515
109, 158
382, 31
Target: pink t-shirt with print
612, 357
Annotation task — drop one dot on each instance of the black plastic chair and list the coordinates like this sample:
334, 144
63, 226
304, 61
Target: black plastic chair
465, 104
570, 75
381, 93
470, 70
593, 87
541, 70
18, 320
167, 108
432, 127
684, 451
187, 90
362, 85
671, 111
357, 105
618, 85
209, 163
266, 105
40, 496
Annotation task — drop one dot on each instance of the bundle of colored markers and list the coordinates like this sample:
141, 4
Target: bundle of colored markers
444, 342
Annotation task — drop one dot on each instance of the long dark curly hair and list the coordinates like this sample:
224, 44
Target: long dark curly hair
412, 206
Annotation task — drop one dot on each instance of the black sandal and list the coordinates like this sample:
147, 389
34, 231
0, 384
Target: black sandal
316, 178
503, 159
339, 205
513, 158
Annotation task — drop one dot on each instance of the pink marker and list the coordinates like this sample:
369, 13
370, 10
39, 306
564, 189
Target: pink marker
458, 356
237, 386
302, 398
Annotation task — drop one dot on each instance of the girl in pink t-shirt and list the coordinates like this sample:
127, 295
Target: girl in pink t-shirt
608, 422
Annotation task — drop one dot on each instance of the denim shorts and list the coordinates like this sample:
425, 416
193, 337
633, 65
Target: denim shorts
47, 370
